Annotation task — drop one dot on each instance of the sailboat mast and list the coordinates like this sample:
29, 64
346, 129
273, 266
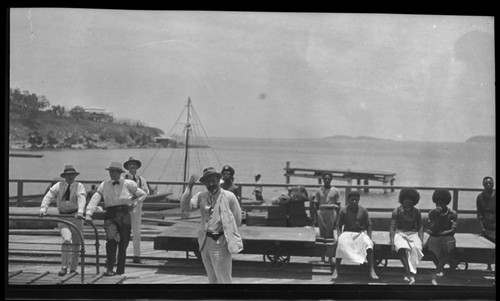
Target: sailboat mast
186, 146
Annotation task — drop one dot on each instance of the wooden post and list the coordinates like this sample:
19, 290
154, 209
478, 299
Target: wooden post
455, 199
392, 184
366, 183
19, 193
287, 167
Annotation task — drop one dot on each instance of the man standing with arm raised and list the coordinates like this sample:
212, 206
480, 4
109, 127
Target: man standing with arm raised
218, 236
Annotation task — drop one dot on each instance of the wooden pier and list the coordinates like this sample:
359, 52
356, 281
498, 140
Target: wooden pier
339, 174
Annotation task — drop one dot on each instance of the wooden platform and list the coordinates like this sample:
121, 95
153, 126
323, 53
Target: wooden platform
341, 174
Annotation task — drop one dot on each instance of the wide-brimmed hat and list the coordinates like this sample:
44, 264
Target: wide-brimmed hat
209, 171
69, 169
115, 166
352, 193
228, 168
130, 160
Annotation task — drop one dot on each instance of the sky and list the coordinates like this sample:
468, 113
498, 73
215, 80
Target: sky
265, 74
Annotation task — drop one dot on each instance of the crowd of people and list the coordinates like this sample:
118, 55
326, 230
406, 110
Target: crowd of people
349, 227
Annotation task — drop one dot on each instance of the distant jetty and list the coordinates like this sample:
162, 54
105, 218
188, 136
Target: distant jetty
481, 139
25, 155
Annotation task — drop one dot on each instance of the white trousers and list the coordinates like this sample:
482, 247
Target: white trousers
136, 221
411, 242
217, 260
352, 246
70, 248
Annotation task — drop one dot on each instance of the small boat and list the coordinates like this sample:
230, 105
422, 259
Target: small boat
25, 155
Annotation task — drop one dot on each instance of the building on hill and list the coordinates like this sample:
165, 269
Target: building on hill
98, 115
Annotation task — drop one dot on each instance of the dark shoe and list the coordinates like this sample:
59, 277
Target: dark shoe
109, 273
63, 272
73, 271
137, 260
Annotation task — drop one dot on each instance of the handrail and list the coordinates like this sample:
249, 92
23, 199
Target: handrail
32, 217
455, 191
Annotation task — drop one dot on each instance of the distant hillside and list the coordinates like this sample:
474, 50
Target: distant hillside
52, 132
346, 137
481, 139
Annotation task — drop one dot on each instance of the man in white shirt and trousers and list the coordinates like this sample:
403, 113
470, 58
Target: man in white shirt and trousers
132, 165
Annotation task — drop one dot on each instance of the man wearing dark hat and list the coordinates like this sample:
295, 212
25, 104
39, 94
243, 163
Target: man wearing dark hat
70, 198
132, 165
120, 197
228, 181
354, 229
218, 236
442, 227
406, 232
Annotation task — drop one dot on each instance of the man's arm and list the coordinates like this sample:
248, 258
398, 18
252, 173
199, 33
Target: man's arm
96, 198
235, 208
81, 195
187, 195
50, 196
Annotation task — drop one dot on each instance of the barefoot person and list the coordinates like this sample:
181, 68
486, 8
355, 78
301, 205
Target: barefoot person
70, 198
218, 236
326, 205
406, 232
354, 230
442, 227
120, 197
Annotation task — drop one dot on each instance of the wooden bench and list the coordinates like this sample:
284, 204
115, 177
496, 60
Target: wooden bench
470, 248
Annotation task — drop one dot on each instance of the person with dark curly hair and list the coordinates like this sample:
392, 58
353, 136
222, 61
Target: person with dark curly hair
442, 227
406, 232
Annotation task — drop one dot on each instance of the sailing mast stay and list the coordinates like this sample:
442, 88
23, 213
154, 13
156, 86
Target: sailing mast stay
189, 152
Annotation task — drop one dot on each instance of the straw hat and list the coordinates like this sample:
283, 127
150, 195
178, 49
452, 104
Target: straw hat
115, 166
130, 160
209, 171
69, 169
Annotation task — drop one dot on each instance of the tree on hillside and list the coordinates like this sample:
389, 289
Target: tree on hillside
77, 112
58, 111
27, 104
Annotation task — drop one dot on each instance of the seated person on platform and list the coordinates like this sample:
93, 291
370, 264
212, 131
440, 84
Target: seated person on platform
406, 232
486, 209
442, 226
354, 230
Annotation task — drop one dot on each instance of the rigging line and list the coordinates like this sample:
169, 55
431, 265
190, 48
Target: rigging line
150, 160
195, 115
177, 121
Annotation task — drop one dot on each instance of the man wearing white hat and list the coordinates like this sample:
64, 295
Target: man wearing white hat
132, 165
120, 197
70, 197
218, 236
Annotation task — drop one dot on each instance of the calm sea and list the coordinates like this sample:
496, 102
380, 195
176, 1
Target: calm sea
436, 164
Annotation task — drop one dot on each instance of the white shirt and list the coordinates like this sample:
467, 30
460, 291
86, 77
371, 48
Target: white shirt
76, 201
123, 193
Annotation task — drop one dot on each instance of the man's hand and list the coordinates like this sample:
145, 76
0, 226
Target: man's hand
79, 216
43, 213
192, 180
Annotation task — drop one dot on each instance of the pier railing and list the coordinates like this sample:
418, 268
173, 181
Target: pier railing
19, 197
30, 217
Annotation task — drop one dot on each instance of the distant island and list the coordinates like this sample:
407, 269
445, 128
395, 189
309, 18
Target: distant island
346, 137
481, 139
